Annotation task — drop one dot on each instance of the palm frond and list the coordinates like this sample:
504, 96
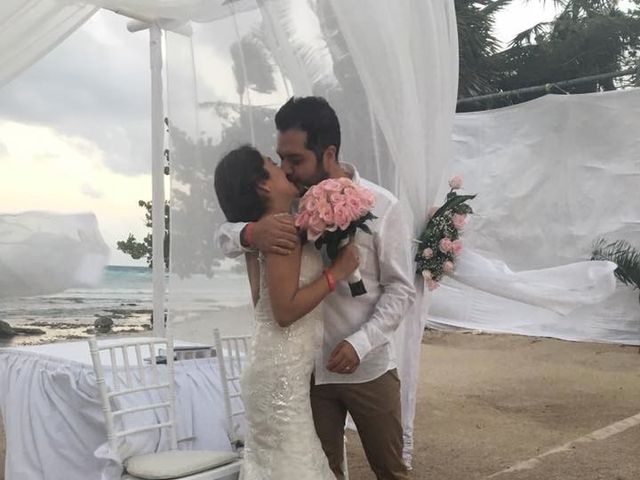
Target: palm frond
495, 6
623, 254
526, 36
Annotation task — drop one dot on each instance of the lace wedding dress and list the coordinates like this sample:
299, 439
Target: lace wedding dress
281, 441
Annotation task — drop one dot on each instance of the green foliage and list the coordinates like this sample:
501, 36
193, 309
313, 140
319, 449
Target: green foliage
623, 254
587, 37
139, 249
441, 226
332, 239
478, 45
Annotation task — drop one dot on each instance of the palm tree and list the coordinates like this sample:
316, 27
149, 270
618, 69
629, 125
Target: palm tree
478, 45
587, 37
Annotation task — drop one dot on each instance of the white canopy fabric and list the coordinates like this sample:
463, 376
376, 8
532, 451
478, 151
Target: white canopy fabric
43, 253
29, 29
552, 176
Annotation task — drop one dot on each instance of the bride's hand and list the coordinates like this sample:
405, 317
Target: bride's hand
346, 262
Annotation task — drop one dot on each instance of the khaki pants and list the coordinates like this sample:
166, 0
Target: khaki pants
375, 409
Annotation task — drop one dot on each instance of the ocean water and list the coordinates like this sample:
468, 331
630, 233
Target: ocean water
125, 294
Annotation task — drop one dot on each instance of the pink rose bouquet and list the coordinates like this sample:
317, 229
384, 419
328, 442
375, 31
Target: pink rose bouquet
331, 212
440, 243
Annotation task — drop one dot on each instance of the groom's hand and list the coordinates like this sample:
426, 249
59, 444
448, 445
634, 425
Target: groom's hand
275, 234
344, 359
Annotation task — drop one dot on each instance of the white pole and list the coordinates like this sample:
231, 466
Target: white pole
157, 178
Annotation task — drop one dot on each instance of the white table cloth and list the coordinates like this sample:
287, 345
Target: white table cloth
53, 419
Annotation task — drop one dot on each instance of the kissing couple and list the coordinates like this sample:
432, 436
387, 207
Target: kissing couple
317, 353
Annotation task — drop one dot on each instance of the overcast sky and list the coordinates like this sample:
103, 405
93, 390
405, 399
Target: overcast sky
75, 127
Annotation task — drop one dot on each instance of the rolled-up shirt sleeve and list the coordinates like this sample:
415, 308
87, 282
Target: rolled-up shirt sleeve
228, 239
394, 248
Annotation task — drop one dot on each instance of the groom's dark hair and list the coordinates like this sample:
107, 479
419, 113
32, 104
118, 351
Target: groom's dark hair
236, 182
314, 116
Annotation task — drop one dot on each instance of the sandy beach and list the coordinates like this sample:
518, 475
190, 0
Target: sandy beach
488, 402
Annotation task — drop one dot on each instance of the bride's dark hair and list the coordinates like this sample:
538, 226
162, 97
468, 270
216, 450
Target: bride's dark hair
236, 183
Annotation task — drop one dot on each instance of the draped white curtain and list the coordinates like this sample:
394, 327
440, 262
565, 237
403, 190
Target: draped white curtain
43, 253
406, 54
29, 29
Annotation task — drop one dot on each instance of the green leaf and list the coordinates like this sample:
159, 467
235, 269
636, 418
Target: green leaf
623, 254
365, 228
452, 203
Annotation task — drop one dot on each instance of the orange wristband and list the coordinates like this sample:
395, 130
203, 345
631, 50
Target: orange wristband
248, 234
331, 280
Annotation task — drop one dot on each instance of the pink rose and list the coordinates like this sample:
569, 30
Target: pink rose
302, 220
337, 197
356, 206
427, 253
445, 245
331, 185
448, 267
456, 247
316, 228
369, 199
459, 221
456, 183
315, 191
342, 217
432, 285
328, 216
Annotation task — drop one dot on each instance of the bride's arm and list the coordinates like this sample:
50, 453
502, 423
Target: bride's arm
289, 302
253, 271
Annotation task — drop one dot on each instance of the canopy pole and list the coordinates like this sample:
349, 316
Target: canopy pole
157, 178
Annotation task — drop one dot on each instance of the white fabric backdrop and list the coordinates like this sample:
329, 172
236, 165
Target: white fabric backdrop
552, 176
43, 253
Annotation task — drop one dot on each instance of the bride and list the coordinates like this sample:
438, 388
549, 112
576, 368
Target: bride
287, 291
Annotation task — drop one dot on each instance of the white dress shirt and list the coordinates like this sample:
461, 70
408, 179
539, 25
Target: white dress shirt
367, 322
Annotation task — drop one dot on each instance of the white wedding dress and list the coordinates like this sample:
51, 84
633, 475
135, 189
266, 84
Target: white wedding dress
281, 441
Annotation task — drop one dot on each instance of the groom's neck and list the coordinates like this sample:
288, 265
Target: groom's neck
338, 171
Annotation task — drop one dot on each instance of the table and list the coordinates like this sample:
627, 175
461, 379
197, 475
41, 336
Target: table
53, 418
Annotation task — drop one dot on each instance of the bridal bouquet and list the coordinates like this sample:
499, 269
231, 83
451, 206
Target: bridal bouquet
439, 244
331, 212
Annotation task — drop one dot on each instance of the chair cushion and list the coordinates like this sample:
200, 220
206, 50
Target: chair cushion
176, 463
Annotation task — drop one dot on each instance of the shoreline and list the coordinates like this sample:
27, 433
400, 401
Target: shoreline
196, 328
124, 320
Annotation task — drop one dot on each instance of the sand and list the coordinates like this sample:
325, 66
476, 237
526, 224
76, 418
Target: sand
487, 402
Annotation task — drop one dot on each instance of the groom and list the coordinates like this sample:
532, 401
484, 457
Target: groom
355, 370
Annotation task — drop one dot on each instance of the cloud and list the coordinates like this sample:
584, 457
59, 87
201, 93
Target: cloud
95, 85
91, 192
4, 151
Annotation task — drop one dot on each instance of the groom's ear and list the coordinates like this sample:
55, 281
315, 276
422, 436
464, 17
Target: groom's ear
329, 157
